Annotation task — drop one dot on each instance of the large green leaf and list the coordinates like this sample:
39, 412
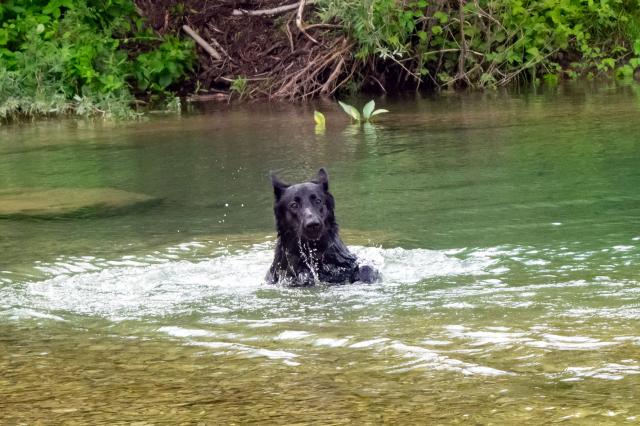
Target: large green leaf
351, 111
319, 118
378, 111
368, 109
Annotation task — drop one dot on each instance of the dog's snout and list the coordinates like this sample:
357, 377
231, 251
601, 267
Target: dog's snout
311, 221
313, 225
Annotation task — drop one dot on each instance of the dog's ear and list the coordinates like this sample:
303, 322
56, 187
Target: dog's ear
278, 186
322, 178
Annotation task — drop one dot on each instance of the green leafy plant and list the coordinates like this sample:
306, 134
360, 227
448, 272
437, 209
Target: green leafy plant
490, 43
88, 58
368, 111
320, 121
166, 64
239, 86
318, 117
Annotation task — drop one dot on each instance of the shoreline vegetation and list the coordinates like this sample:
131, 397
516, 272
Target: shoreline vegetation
118, 58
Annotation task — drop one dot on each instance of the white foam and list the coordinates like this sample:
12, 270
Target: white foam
458, 305
368, 343
265, 323
126, 288
330, 342
481, 338
293, 335
24, 313
137, 290
430, 342
185, 332
408, 266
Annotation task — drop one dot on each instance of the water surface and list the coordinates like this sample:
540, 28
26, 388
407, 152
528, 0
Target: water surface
506, 227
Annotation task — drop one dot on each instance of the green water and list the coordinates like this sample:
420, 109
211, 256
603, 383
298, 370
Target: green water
506, 227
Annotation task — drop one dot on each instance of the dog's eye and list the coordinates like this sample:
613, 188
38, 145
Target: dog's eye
317, 201
293, 205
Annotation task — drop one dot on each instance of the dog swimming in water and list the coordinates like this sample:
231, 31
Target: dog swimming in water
309, 249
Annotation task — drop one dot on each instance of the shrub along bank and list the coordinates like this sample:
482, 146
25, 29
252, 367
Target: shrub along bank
482, 43
106, 58
87, 58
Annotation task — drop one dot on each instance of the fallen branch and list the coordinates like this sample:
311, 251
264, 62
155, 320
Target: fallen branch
289, 36
206, 46
274, 11
299, 21
326, 87
217, 45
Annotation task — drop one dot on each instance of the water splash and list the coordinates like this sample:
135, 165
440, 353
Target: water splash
156, 285
309, 257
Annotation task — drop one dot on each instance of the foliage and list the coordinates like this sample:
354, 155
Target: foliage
320, 121
381, 27
239, 86
319, 118
368, 111
493, 42
161, 67
69, 56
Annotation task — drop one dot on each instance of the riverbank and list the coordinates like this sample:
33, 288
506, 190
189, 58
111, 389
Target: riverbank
300, 49
125, 57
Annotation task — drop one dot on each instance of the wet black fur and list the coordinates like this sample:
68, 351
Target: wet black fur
308, 246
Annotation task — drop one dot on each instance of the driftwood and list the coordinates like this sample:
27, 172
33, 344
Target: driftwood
209, 97
206, 46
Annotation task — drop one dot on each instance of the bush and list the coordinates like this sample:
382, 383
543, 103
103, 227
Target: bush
64, 56
493, 42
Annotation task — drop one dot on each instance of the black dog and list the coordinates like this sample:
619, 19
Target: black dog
309, 248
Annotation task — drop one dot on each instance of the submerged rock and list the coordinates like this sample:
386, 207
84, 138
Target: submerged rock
52, 203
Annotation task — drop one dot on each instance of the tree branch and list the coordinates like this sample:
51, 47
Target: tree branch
299, 21
274, 11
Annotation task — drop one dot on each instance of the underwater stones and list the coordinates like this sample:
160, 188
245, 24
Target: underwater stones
53, 203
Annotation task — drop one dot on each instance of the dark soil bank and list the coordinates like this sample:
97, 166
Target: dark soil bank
256, 42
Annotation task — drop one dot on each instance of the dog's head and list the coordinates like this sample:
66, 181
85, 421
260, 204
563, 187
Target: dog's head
305, 209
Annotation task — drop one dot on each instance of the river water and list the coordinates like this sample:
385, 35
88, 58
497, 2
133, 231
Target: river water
506, 228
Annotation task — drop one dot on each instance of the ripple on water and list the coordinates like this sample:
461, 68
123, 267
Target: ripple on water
608, 371
502, 337
569, 343
499, 337
296, 350
424, 358
232, 312
194, 337
293, 335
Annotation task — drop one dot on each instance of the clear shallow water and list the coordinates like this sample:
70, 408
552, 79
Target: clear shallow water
506, 228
